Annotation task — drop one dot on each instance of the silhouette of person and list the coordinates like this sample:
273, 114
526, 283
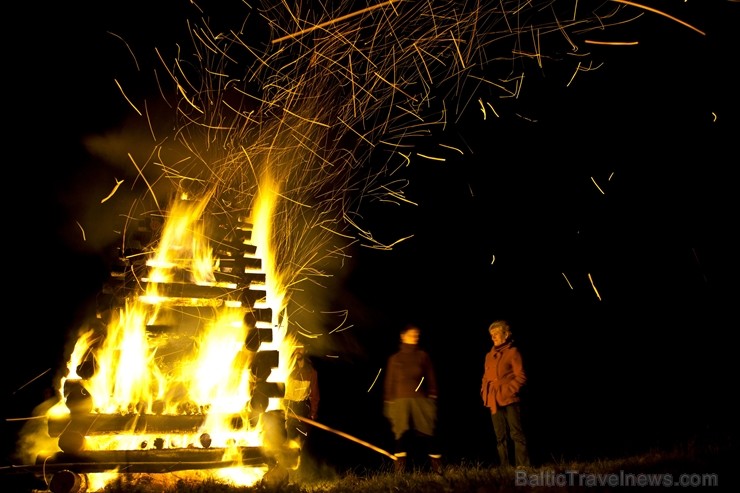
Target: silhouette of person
410, 398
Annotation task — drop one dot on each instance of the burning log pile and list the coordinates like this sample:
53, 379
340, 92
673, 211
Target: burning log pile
193, 309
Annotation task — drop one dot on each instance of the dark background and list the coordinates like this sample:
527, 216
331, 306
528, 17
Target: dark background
649, 364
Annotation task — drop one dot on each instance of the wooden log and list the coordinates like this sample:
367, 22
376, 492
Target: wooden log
100, 424
149, 461
232, 247
251, 296
229, 273
190, 290
193, 454
255, 337
241, 263
255, 315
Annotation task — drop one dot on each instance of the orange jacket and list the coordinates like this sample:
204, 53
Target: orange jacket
503, 376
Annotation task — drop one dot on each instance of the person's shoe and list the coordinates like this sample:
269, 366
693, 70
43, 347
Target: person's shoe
399, 466
436, 464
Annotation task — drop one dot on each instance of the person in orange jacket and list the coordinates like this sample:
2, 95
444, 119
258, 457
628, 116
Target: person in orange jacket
503, 378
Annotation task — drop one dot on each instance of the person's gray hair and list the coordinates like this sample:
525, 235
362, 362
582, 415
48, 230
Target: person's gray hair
499, 324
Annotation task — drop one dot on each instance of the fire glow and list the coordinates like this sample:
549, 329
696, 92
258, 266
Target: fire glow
296, 143
179, 363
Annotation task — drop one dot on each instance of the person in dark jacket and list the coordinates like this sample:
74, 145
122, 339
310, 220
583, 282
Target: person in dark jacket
503, 378
410, 393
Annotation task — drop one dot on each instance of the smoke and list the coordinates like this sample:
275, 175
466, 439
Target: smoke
34, 440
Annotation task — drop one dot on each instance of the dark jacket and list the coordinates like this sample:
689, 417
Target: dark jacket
406, 370
503, 376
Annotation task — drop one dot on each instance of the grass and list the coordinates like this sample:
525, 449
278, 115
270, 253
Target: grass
703, 466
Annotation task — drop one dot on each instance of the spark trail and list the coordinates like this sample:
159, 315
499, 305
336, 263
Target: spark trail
330, 108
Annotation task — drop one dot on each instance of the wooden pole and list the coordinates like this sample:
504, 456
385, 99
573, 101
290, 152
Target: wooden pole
342, 434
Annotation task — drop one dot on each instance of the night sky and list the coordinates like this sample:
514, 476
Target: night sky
626, 175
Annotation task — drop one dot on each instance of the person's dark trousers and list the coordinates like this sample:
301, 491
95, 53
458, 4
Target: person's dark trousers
429, 445
507, 422
431, 448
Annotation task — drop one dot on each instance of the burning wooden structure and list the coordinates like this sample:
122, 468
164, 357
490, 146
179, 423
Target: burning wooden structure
172, 289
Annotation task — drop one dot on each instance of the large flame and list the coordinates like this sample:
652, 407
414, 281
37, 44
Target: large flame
199, 367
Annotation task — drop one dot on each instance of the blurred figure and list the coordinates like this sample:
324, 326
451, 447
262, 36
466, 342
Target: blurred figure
503, 378
301, 396
410, 393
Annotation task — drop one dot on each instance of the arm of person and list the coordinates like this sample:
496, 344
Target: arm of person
431, 378
520, 376
388, 388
